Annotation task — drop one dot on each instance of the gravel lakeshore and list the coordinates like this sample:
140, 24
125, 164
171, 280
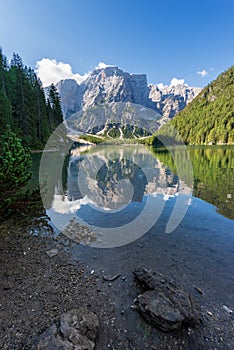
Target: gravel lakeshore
43, 276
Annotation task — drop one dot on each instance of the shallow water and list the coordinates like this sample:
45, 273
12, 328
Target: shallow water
109, 188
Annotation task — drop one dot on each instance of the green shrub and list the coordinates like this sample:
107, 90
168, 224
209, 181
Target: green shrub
15, 165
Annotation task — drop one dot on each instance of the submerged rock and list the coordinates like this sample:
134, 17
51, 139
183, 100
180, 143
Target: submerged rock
52, 252
76, 330
79, 233
111, 278
165, 305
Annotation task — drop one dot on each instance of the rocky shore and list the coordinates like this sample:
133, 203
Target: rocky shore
43, 278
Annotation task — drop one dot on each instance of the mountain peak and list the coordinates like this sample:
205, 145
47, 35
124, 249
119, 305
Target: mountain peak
108, 84
108, 70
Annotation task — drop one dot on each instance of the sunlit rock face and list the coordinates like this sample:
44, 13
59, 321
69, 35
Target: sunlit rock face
116, 119
171, 99
110, 86
104, 85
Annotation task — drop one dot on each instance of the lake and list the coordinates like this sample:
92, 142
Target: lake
180, 201
116, 196
125, 190
132, 206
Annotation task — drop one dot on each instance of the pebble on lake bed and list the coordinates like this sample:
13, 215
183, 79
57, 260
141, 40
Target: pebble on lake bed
52, 252
227, 309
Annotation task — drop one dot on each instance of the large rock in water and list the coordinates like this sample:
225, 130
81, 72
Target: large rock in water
76, 330
165, 305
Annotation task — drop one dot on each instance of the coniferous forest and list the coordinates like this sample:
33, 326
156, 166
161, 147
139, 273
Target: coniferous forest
208, 119
27, 118
23, 104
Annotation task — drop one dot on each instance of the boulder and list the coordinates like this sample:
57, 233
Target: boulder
75, 330
165, 305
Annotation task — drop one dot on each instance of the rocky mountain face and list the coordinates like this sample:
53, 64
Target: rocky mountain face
172, 99
209, 118
115, 120
71, 96
109, 86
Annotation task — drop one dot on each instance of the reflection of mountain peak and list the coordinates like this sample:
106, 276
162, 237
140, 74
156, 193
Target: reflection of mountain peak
107, 177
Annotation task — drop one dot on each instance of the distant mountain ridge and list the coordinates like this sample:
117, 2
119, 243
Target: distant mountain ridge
209, 118
173, 98
111, 85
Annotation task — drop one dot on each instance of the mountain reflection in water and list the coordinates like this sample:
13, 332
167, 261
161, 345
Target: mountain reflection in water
117, 180
110, 178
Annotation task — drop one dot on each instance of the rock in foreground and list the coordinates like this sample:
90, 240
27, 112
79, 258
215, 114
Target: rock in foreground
164, 304
76, 330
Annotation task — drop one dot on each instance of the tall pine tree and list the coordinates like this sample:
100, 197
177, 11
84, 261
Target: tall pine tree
54, 108
23, 104
5, 104
26, 119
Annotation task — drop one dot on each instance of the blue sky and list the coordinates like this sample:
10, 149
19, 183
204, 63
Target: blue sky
164, 39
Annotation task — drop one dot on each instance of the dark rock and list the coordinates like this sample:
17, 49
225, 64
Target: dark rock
76, 330
199, 290
165, 305
152, 280
111, 278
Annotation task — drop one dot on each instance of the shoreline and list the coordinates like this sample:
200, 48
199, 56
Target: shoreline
44, 150
37, 289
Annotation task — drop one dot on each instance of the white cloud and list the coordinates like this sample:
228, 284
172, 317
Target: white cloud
176, 81
203, 72
160, 85
102, 65
50, 71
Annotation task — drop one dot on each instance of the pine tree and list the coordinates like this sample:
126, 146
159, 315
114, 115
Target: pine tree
26, 119
209, 118
23, 104
20, 93
56, 115
5, 105
5, 112
3, 67
15, 164
43, 125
